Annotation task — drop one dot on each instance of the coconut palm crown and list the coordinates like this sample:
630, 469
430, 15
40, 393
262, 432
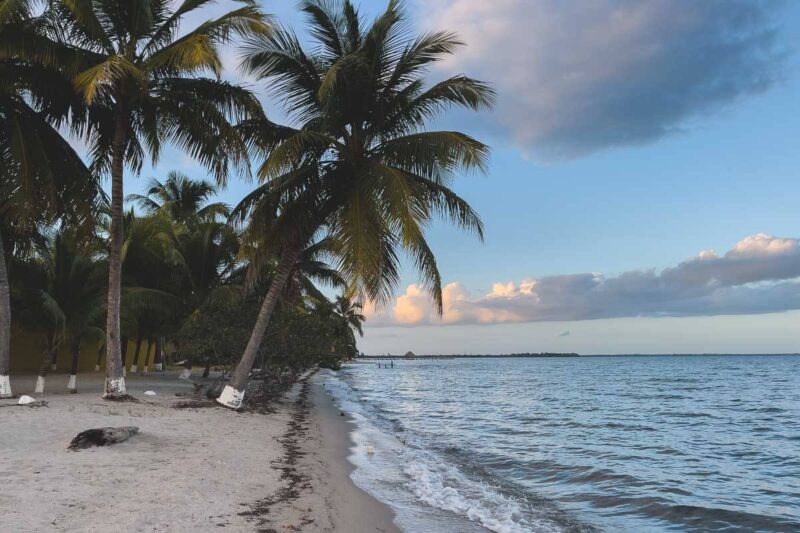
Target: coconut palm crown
358, 158
183, 198
355, 162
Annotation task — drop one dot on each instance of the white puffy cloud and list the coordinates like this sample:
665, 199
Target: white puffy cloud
575, 77
761, 244
759, 274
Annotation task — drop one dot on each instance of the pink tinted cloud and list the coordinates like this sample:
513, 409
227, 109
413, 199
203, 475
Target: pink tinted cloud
759, 274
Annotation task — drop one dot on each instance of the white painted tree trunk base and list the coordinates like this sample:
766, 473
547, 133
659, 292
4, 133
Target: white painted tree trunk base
124, 372
115, 387
97, 368
158, 367
53, 367
145, 370
134, 368
186, 374
231, 398
39, 385
5, 387
72, 385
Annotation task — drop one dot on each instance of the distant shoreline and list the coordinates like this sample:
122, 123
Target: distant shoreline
557, 355
464, 356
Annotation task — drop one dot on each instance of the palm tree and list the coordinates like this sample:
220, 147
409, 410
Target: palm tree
41, 176
358, 163
351, 314
129, 64
151, 279
181, 252
183, 198
63, 297
206, 251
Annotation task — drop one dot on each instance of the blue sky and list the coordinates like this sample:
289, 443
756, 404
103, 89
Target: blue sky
628, 136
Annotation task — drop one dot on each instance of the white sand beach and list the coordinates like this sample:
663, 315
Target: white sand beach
189, 469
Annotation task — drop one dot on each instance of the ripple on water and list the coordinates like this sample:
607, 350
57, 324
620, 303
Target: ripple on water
620, 443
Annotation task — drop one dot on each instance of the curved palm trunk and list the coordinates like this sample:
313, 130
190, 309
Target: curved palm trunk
233, 393
72, 386
115, 382
5, 327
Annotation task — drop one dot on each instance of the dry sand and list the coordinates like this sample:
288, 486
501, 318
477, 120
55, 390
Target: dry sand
199, 469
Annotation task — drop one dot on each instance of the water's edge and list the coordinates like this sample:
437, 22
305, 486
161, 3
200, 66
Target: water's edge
658, 443
429, 490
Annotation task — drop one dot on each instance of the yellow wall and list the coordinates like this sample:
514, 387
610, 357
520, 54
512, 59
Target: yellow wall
26, 354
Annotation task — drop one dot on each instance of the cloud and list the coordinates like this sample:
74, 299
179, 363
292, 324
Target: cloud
760, 274
575, 77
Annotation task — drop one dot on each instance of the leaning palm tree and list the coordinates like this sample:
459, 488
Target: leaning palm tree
184, 199
140, 77
357, 164
42, 178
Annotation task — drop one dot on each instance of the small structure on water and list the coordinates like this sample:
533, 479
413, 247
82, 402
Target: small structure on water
410, 355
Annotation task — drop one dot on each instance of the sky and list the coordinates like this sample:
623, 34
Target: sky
643, 191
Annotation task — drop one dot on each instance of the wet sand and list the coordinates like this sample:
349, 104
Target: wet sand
328, 500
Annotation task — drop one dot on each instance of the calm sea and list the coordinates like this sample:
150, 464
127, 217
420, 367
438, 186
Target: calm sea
655, 443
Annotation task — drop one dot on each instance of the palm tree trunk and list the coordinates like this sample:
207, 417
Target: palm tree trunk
150, 344
100, 353
207, 370
233, 393
135, 365
124, 353
72, 386
47, 362
115, 382
187, 368
5, 327
158, 356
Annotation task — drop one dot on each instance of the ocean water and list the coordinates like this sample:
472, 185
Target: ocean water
618, 443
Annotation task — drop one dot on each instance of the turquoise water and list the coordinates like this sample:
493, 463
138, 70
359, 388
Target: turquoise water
618, 443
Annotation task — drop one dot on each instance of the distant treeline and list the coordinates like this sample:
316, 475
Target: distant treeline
471, 356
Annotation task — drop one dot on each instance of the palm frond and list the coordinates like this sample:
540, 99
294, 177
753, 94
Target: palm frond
104, 76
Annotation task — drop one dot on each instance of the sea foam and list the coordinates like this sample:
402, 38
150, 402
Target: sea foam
426, 490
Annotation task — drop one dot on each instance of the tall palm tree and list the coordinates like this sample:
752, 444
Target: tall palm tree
357, 163
183, 198
41, 177
141, 78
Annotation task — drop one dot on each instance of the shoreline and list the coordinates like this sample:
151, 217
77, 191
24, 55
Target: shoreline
325, 497
189, 469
